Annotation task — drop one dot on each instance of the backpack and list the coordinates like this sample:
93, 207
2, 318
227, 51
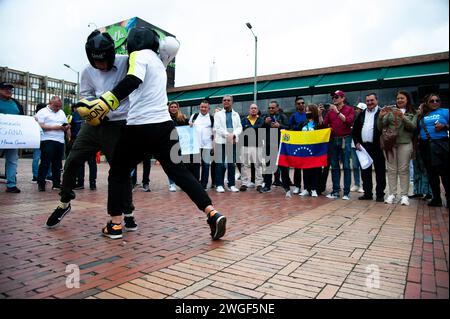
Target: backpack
210, 117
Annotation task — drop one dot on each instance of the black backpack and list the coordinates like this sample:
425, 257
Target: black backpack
210, 117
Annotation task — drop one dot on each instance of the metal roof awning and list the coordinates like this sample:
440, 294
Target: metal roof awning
349, 78
419, 70
196, 95
290, 84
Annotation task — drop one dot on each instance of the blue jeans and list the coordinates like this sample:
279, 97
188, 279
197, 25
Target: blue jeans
206, 160
356, 168
225, 161
340, 151
35, 164
11, 160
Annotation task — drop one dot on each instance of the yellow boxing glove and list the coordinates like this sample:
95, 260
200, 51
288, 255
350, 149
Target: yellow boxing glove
95, 111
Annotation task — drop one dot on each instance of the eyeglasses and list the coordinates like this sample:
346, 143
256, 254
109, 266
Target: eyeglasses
435, 101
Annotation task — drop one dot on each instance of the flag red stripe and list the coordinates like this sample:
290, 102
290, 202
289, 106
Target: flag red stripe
303, 162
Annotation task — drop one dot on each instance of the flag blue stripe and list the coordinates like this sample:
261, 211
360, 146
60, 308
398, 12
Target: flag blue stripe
305, 150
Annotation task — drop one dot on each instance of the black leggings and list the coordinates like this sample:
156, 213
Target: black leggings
143, 141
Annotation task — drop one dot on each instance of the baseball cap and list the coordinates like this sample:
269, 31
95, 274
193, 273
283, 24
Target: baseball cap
338, 93
6, 85
361, 106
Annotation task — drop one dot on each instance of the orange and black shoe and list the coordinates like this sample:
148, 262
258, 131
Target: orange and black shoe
113, 231
217, 223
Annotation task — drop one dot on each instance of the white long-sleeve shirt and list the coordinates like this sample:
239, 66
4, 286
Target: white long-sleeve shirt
95, 82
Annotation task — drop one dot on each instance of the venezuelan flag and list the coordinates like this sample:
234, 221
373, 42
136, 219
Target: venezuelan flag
304, 149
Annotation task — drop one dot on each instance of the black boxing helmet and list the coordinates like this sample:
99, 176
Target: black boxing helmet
100, 47
140, 38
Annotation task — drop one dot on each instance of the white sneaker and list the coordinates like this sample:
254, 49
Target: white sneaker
172, 188
332, 196
390, 199
251, 185
234, 189
304, 193
314, 193
354, 188
361, 190
288, 194
345, 197
404, 201
296, 190
220, 189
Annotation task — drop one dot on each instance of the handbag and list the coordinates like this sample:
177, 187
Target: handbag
388, 137
438, 149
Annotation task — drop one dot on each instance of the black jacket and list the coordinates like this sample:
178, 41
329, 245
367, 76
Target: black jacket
247, 125
358, 125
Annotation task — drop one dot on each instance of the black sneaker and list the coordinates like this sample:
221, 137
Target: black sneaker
365, 197
435, 203
12, 190
57, 216
265, 189
277, 183
41, 187
427, 197
380, 199
113, 231
34, 180
243, 188
130, 222
259, 188
217, 223
92, 186
146, 188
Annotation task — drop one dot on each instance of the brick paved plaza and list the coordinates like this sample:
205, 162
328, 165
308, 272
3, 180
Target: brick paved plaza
274, 247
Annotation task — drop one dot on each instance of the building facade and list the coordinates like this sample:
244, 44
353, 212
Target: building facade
419, 75
31, 89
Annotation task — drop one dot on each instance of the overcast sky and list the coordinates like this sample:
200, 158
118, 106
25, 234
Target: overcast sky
39, 36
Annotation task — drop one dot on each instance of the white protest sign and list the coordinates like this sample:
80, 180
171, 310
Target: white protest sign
19, 131
188, 140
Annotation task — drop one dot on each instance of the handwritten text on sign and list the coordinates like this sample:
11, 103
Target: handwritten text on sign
19, 131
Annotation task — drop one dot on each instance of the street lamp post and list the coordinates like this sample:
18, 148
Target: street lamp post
78, 80
256, 62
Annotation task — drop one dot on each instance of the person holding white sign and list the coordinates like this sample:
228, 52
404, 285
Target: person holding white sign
366, 133
8, 105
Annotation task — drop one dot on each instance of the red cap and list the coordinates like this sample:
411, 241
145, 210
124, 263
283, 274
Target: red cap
338, 93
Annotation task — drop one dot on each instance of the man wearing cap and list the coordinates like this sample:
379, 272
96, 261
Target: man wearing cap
340, 119
366, 133
8, 105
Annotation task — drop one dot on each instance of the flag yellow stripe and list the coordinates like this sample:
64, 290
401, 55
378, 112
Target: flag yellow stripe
305, 137
132, 62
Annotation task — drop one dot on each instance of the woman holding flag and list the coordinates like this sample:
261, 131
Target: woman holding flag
311, 175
